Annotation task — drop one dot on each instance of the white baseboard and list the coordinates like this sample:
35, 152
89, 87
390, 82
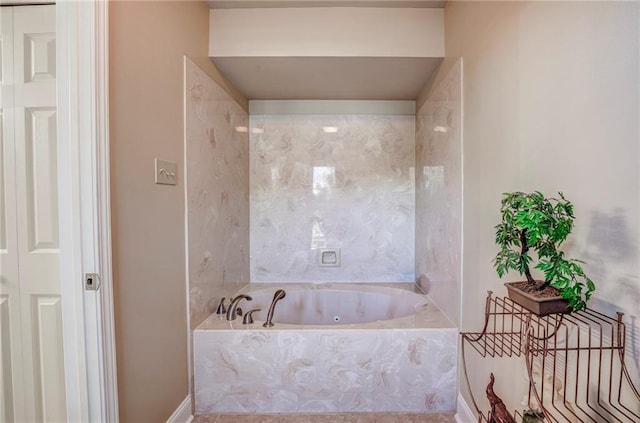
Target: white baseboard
182, 413
463, 412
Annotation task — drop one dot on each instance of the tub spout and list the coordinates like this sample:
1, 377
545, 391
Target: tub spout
280, 294
231, 312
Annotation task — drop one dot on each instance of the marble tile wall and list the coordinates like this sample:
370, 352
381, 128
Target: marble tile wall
344, 182
331, 371
217, 180
439, 190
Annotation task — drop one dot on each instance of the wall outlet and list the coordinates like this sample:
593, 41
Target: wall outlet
166, 172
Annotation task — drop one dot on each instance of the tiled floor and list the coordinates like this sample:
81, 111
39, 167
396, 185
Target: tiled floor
328, 418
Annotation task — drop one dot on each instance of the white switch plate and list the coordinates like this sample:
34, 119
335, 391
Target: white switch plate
166, 172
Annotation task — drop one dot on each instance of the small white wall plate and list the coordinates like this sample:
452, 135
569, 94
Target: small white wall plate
330, 257
165, 172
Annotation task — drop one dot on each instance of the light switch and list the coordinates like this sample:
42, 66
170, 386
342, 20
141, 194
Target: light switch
166, 172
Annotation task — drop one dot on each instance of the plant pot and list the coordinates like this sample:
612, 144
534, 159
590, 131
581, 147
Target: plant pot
541, 306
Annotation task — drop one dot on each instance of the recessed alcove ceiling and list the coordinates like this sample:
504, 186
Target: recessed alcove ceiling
328, 78
340, 77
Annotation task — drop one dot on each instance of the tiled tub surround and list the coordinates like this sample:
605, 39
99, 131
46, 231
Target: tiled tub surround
439, 188
340, 181
406, 364
217, 179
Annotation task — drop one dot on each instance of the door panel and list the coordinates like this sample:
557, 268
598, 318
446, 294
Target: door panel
41, 174
40, 57
30, 261
12, 402
3, 217
6, 374
48, 359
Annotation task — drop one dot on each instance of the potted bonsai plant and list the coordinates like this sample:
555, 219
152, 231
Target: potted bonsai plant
530, 234
532, 416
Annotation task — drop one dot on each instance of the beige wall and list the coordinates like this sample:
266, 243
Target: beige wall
327, 32
541, 80
550, 103
147, 43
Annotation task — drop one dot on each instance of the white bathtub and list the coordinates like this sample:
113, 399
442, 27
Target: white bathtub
391, 350
334, 304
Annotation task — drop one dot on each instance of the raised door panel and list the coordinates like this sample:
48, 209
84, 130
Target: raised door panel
41, 174
3, 205
35, 56
11, 399
6, 48
48, 358
6, 371
40, 56
7, 173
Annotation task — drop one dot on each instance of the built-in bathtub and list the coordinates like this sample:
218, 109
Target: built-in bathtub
334, 348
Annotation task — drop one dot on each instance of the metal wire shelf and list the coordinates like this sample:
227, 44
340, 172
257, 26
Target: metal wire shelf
575, 362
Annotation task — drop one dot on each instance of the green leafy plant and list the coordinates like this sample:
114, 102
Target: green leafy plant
532, 416
532, 222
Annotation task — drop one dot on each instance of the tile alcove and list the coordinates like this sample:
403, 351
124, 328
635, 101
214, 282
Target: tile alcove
356, 190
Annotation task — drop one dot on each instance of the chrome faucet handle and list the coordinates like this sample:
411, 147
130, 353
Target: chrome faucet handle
221, 308
248, 318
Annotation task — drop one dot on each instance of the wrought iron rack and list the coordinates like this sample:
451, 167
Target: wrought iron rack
575, 362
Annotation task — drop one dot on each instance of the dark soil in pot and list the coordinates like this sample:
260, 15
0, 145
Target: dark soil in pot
546, 292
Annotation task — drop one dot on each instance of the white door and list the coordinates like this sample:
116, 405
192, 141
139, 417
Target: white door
33, 387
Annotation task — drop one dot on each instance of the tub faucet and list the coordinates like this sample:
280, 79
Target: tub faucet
231, 312
280, 294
